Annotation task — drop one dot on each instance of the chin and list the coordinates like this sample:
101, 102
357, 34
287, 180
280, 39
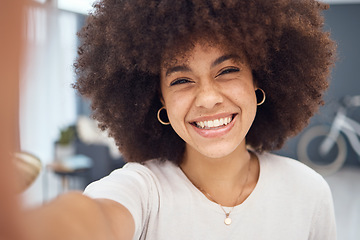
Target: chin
215, 153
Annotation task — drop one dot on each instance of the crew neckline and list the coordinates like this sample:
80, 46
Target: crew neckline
216, 207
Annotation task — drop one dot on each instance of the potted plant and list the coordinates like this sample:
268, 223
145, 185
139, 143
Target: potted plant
64, 146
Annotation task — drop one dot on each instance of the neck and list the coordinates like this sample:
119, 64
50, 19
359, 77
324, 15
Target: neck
223, 178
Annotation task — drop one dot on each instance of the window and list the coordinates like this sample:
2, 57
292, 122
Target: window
79, 6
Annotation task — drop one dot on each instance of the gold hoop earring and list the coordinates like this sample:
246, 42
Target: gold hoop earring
264, 96
158, 116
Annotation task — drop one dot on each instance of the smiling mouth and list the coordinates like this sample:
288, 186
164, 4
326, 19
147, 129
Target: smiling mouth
214, 124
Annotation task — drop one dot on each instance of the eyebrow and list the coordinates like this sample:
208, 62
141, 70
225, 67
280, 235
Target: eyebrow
185, 68
180, 68
223, 59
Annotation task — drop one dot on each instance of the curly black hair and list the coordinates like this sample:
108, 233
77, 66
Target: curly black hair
124, 43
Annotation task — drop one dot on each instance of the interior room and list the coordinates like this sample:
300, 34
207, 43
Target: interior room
56, 127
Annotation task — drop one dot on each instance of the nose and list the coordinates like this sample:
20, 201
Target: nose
208, 95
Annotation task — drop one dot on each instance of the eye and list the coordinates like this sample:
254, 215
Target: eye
180, 81
228, 70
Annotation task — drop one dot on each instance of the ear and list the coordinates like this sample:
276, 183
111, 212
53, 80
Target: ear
255, 81
256, 85
161, 99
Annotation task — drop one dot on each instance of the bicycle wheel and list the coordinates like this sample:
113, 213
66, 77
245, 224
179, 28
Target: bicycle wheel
308, 151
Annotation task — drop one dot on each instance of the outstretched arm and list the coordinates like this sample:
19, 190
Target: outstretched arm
70, 216
10, 30
75, 216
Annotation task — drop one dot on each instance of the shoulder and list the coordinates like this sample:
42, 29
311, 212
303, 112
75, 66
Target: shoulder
142, 176
137, 187
293, 181
154, 170
287, 166
294, 189
290, 173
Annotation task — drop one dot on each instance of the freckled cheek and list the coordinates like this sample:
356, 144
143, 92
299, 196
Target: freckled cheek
241, 94
176, 108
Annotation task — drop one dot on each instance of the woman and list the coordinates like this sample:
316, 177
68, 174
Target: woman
196, 93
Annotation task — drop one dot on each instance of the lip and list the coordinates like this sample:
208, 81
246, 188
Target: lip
214, 133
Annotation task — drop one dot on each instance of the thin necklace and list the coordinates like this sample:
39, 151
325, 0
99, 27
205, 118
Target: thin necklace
228, 220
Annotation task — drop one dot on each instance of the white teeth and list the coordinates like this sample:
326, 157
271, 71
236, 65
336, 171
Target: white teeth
214, 123
209, 123
221, 121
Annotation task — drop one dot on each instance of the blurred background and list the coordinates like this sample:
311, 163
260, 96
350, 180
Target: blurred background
54, 121
55, 125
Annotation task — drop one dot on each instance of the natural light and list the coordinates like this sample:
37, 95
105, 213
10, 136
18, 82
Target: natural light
80, 6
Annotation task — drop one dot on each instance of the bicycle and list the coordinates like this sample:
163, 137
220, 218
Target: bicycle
324, 148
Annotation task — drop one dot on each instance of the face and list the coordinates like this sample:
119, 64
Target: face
210, 100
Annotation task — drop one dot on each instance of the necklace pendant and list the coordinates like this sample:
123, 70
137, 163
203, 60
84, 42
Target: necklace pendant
227, 221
